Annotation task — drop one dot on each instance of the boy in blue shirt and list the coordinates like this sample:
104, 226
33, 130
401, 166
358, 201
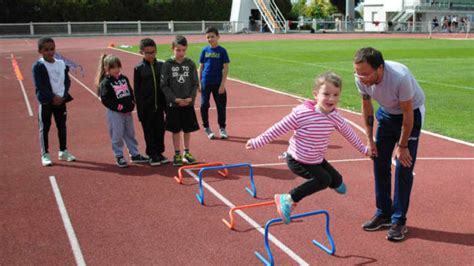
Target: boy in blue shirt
213, 72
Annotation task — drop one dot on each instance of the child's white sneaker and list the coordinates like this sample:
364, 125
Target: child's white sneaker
223, 133
66, 156
209, 133
46, 160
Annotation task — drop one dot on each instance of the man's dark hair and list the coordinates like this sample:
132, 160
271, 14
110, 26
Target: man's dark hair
147, 42
369, 55
212, 29
44, 40
180, 40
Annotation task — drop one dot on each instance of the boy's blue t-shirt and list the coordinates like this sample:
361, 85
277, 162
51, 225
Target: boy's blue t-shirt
213, 60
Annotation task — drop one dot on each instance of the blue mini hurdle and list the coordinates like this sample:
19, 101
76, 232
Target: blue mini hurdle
252, 192
318, 244
71, 64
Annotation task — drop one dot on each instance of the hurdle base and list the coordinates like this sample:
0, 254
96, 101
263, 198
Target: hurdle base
263, 259
324, 248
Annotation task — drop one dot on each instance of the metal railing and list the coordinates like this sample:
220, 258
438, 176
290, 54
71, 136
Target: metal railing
377, 26
36, 29
115, 28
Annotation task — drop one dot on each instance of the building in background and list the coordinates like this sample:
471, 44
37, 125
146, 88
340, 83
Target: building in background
415, 15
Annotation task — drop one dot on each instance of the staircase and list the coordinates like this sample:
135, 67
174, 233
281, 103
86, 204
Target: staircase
272, 15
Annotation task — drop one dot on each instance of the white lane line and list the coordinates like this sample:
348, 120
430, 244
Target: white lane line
27, 101
76, 249
368, 159
251, 221
331, 161
84, 86
302, 98
257, 106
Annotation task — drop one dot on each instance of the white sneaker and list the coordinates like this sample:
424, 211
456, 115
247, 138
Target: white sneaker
209, 133
66, 156
223, 133
46, 160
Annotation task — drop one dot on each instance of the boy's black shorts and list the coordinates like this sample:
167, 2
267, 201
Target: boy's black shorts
181, 119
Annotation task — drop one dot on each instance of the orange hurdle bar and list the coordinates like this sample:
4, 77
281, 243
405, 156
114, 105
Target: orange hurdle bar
179, 178
231, 212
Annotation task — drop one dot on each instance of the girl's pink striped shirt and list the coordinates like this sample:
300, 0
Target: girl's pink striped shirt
312, 130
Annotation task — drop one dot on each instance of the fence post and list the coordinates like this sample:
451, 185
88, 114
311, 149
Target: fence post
139, 25
203, 26
105, 27
32, 29
287, 26
315, 25
69, 31
171, 26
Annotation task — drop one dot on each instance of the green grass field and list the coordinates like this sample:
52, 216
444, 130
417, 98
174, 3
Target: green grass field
444, 69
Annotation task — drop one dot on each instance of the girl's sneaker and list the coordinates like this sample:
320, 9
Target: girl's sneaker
342, 189
284, 205
188, 158
121, 162
46, 160
178, 160
66, 156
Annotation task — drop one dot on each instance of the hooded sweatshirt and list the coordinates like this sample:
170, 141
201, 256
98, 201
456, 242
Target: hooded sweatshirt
116, 94
179, 80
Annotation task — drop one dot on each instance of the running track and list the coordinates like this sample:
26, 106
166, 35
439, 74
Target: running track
140, 215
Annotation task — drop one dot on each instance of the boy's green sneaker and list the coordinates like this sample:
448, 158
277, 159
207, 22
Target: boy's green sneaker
178, 160
189, 158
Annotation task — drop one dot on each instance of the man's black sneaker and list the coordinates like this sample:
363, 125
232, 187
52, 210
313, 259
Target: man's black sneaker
121, 162
397, 232
376, 223
163, 159
139, 159
154, 161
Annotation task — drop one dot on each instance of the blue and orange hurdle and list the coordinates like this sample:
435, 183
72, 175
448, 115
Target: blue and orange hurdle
252, 192
179, 178
270, 260
231, 221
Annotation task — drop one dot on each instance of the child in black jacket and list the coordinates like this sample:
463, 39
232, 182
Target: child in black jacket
150, 101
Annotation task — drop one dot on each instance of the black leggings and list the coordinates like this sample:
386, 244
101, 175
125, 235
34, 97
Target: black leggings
320, 176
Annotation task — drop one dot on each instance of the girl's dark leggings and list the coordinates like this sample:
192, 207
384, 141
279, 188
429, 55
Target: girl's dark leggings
319, 177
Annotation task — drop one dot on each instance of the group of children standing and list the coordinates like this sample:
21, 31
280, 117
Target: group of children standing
164, 96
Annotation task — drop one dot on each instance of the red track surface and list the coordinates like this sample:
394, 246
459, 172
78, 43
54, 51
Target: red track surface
140, 215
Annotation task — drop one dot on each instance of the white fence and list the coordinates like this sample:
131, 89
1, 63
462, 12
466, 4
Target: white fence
114, 28
35, 29
376, 26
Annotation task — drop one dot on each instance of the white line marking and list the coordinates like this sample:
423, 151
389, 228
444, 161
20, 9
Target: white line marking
368, 159
84, 86
302, 98
67, 223
331, 161
27, 101
255, 106
249, 220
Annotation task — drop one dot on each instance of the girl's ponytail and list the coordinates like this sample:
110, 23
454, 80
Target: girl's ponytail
100, 73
